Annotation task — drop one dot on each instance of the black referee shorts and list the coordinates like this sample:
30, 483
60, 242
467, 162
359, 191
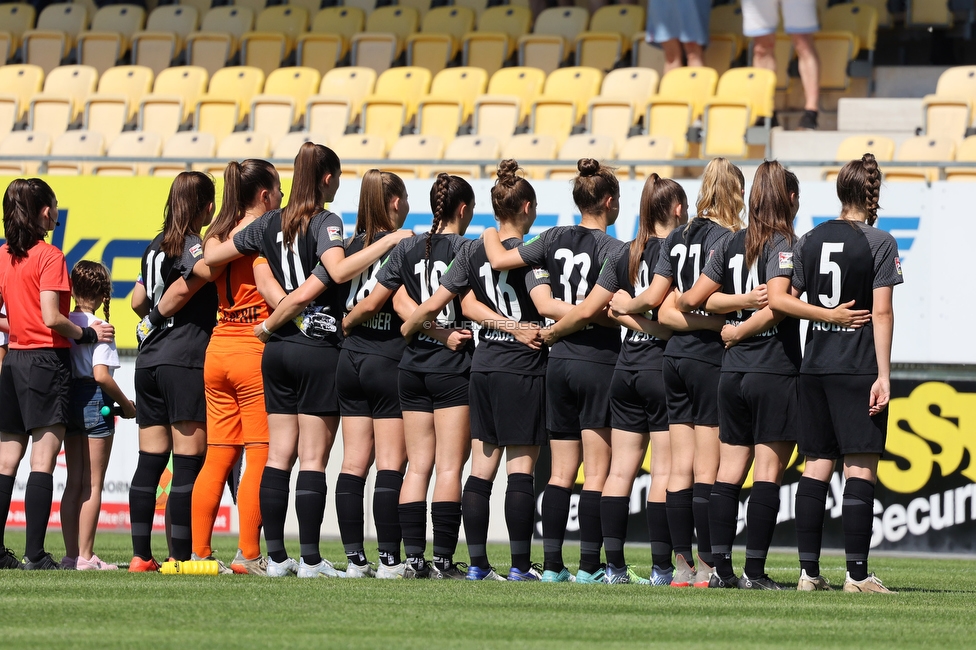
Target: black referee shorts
637, 401
169, 394
691, 387
34, 389
300, 378
834, 420
755, 407
577, 397
508, 409
367, 385
430, 391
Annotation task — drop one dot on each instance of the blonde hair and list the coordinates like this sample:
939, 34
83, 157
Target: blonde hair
720, 196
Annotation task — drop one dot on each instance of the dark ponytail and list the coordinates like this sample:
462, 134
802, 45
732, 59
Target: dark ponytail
190, 196
510, 191
22, 205
243, 183
307, 195
859, 186
446, 195
658, 199
377, 191
770, 210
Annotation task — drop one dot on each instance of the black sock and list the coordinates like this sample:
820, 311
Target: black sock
760, 523
699, 506
185, 470
37, 508
591, 530
555, 515
310, 492
413, 523
274, 506
386, 499
349, 491
6, 494
445, 516
858, 519
520, 518
475, 505
723, 511
811, 505
660, 534
142, 501
614, 512
681, 523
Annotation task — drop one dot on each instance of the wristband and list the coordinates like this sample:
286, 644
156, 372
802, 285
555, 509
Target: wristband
88, 335
156, 319
264, 328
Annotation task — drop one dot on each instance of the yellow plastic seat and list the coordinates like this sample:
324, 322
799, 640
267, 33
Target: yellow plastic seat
621, 103
327, 42
450, 102
394, 103
530, 146
608, 39
18, 83
15, 19
725, 40
173, 100
131, 144
228, 100
928, 13
508, 102
276, 30
581, 145
57, 30
921, 148
283, 102
359, 146
219, 37
647, 147
257, 6
744, 95
166, 32
240, 146
949, 112
387, 29
553, 39
75, 143
855, 146
880, 6
564, 100
286, 149
180, 147
340, 100
439, 39
414, 147
470, 147
120, 91
477, 6
422, 6
680, 101
111, 31
366, 6
499, 29
66, 89
965, 152
28, 144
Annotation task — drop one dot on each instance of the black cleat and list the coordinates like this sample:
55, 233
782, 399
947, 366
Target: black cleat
8, 560
46, 563
762, 583
715, 582
454, 571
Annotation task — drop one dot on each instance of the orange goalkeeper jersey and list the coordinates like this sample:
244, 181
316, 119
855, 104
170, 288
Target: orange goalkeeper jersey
240, 302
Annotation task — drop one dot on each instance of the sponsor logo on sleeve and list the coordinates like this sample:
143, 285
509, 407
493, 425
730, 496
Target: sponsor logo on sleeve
785, 260
540, 274
196, 250
898, 265
335, 233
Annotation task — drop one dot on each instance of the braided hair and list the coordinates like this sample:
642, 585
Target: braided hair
859, 187
91, 282
446, 196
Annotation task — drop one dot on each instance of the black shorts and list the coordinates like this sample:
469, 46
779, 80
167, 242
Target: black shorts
367, 385
429, 391
300, 378
508, 409
755, 407
834, 420
637, 401
34, 387
169, 394
691, 387
577, 397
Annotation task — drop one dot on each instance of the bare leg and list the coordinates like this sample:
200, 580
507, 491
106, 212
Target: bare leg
694, 54
75, 457
672, 55
99, 451
809, 64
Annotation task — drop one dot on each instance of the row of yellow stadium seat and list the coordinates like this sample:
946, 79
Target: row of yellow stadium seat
949, 113
916, 149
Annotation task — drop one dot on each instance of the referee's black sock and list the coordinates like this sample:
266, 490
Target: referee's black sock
274, 507
142, 501
519, 516
723, 510
760, 523
811, 505
591, 531
386, 499
310, 491
349, 492
614, 512
699, 506
660, 535
681, 523
445, 516
6, 494
858, 519
413, 523
37, 508
555, 515
185, 471
475, 507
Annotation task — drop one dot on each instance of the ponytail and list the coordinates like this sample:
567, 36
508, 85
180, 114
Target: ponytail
859, 187
190, 196
307, 195
243, 183
658, 199
22, 205
377, 191
770, 210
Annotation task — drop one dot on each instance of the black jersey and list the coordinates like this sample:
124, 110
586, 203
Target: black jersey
507, 293
408, 266
777, 350
688, 250
638, 351
381, 333
292, 265
183, 342
574, 257
836, 262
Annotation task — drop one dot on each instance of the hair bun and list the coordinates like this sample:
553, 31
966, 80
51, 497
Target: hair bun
507, 171
588, 166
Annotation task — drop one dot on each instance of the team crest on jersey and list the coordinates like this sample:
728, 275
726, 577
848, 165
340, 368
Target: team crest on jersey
898, 265
785, 260
196, 250
335, 233
540, 274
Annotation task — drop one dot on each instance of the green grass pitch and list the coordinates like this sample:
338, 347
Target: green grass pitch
936, 608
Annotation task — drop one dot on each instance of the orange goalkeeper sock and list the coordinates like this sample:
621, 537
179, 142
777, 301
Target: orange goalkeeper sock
249, 499
207, 491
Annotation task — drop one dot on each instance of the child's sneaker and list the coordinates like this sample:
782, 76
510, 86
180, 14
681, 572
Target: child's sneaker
95, 563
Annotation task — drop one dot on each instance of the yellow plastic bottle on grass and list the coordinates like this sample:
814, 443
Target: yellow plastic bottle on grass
191, 568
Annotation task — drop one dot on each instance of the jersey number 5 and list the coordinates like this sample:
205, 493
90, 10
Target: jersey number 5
832, 269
